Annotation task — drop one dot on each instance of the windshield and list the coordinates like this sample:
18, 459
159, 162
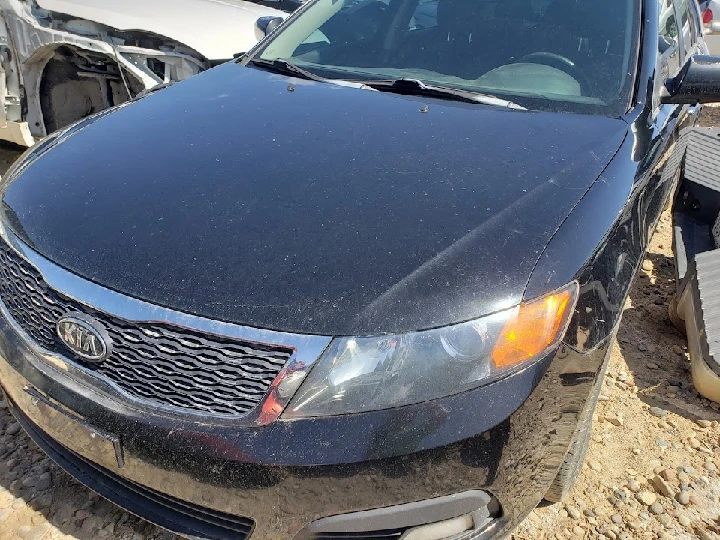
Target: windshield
558, 55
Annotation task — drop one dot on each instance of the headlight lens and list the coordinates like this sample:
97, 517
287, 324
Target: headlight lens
371, 373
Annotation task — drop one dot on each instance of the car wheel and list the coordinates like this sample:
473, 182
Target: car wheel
571, 467
678, 323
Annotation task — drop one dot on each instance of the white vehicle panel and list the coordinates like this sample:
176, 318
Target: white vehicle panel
63, 60
217, 29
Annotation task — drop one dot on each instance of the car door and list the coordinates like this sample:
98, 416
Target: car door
677, 40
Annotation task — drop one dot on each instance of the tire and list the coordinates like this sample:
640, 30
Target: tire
675, 319
572, 465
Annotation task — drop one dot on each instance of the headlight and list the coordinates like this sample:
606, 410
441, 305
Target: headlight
357, 374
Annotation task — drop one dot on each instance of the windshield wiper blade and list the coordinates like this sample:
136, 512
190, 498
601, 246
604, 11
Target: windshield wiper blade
420, 88
285, 68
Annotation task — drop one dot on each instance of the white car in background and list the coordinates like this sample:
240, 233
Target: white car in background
63, 60
710, 10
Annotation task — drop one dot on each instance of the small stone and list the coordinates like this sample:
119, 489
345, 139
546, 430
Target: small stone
652, 365
703, 423
657, 411
615, 420
573, 512
636, 451
578, 531
656, 508
588, 513
13, 429
683, 498
30, 481
694, 443
661, 443
664, 519
683, 477
595, 465
616, 519
44, 501
678, 350
662, 486
44, 481
669, 475
646, 497
633, 486
24, 531
641, 346
710, 466
683, 520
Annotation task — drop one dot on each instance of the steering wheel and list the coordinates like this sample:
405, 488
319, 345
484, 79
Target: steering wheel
559, 62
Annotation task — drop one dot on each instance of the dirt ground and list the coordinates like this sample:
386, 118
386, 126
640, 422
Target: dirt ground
651, 470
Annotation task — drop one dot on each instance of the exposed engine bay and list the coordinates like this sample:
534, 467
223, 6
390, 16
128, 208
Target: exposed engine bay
56, 69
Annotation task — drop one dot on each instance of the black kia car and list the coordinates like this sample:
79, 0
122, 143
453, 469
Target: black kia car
359, 283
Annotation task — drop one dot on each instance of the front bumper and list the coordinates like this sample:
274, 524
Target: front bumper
508, 439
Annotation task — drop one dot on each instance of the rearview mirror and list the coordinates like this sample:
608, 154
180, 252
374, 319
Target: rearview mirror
267, 24
697, 82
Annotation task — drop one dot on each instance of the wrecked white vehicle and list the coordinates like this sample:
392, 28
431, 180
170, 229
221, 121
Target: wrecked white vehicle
63, 60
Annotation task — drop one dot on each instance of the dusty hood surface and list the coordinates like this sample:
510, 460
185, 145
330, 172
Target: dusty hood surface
316, 209
217, 29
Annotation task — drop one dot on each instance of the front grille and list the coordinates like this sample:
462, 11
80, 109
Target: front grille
160, 363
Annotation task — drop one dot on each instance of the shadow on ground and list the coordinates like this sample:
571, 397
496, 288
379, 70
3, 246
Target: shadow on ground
655, 352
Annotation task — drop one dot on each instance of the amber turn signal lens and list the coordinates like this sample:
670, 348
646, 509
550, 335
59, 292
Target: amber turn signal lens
535, 326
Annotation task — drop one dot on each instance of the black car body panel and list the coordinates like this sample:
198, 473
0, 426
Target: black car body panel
326, 468
387, 220
585, 196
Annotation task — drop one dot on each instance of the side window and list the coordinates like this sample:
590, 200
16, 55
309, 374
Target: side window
687, 26
669, 40
424, 16
355, 25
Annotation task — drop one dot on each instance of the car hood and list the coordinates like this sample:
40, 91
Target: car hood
310, 207
217, 29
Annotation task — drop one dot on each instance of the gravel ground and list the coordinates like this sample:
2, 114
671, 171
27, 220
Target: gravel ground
651, 471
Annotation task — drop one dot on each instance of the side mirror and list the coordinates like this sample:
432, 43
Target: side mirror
267, 24
697, 82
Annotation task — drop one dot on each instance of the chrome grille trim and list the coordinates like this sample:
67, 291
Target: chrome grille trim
113, 305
